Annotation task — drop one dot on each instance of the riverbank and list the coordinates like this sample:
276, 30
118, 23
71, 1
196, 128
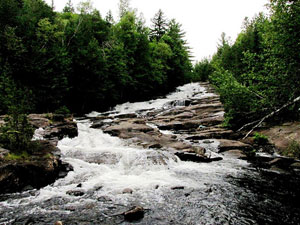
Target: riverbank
42, 166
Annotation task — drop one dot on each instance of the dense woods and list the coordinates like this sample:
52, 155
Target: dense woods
78, 61
260, 72
83, 61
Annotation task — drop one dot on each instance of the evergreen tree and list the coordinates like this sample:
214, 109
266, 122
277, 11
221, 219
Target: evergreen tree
159, 26
69, 7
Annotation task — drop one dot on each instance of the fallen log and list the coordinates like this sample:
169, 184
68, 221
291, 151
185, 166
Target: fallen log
259, 122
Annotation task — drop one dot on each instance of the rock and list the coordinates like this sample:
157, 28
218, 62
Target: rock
126, 127
136, 213
184, 115
37, 173
3, 153
104, 199
60, 130
198, 150
186, 156
178, 145
128, 115
98, 124
174, 125
283, 163
236, 153
282, 135
278, 170
127, 191
296, 165
226, 145
208, 141
158, 146
27, 188
177, 188
41, 168
75, 193
58, 223
39, 120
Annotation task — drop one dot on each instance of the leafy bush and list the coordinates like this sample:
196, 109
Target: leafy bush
237, 98
260, 139
63, 110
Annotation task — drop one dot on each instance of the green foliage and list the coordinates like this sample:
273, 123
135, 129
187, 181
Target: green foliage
260, 138
293, 150
85, 62
16, 134
159, 27
17, 156
63, 110
202, 70
259, 72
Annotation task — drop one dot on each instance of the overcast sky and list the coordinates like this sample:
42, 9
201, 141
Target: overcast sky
202, 20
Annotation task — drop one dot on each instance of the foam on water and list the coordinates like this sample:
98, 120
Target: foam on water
182, 93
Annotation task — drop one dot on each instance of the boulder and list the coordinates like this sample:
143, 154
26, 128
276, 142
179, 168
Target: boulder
134, 214
39, 120
187, 156
127, 127
38, 170
236, 153
127, 191
226, 145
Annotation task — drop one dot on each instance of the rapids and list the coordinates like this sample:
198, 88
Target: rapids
231, 191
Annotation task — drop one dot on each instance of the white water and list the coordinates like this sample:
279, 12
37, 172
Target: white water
192, 90
106, 165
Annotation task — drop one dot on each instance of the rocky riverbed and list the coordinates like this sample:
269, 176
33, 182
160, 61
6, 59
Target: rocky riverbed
164, 161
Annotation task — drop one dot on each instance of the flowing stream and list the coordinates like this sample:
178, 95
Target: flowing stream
230, 191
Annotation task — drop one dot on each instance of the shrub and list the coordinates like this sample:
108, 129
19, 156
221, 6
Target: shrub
293, 150
260, 139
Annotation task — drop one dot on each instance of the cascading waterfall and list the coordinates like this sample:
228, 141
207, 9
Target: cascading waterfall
173, 191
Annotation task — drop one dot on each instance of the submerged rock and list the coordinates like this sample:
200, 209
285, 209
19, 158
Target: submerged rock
236, 153
134, 214
75, 193
127, 191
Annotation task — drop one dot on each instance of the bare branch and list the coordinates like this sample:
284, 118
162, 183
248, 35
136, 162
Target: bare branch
269, 115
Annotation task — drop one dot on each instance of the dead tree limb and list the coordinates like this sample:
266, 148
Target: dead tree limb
267, 116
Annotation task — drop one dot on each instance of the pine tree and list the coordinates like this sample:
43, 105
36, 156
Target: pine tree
69, 7
159, 27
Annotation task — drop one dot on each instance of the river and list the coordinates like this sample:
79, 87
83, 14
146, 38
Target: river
112, 175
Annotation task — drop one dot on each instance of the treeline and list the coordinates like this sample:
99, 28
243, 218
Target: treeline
260, 71
82, 61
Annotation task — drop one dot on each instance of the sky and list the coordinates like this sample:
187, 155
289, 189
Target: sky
202, 20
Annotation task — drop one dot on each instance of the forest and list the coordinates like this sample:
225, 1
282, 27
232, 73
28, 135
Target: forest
79, 61
259, 72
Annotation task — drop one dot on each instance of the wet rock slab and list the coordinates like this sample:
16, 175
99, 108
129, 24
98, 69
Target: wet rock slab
34, 172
